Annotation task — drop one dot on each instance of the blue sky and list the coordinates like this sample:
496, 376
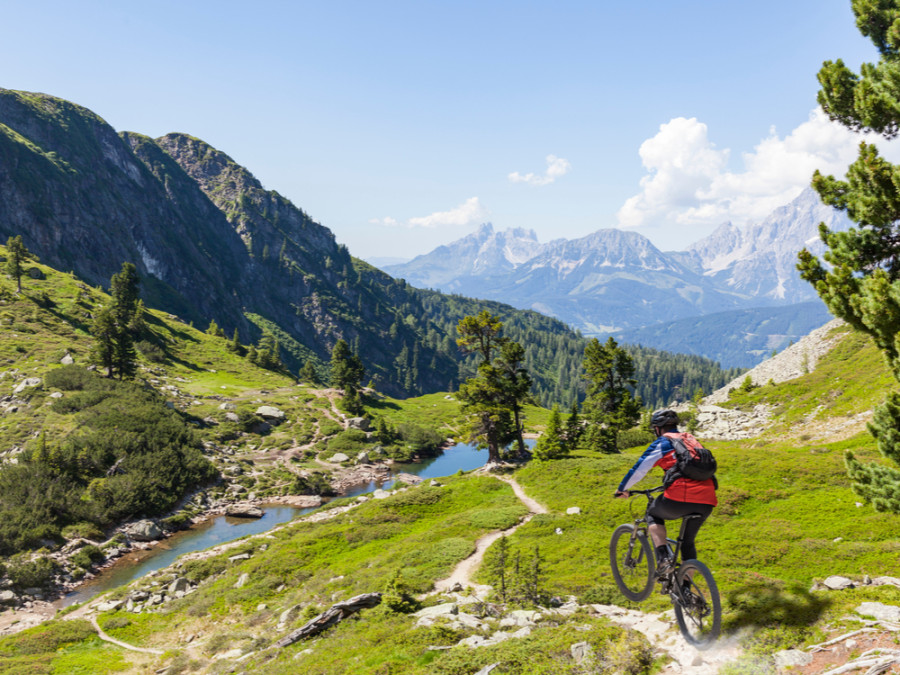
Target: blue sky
403, 125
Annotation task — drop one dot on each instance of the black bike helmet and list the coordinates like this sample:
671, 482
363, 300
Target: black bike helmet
664, 418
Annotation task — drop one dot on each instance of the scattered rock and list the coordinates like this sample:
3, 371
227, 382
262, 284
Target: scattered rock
110, 606
143, 530
573, 511
244, 510
792, 658
7, 597
409, 478
227, 406
27, 383
270, 412
446, 609
582, 653
880, 611
67, 360
239, 556
836, 583
232, 417
363, 458
558, 530
487, 669
359, 423
242, 580
338, 457
180, 585
381, 494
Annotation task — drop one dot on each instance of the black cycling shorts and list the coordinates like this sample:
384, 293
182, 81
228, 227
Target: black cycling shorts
665, 509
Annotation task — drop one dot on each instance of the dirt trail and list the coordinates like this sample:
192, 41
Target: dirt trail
123, 645
462, 573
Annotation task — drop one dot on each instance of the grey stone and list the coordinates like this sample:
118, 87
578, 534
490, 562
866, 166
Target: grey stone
381, 494
270, 412
7, 597
232, 417
487, 669
359, 423
289, 614
56, 394
886, 581
446, 609
244, 511
180, 585
35, 273
27, 383
239, 556
582, 653
573, 511
792, 658
837, 583
524, 617
242, 580
110, 606
227, 406
67, 360
143, 530
338, 457
363, 458
880, 611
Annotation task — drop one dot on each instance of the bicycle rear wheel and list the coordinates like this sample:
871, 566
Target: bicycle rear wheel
632, 563
700, 616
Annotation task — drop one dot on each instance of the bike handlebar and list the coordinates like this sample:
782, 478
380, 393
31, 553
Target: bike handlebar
646, 493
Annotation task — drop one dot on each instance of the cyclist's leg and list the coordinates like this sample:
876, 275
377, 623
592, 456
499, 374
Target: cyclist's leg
688, 547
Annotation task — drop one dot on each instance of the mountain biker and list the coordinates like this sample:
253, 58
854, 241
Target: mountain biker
682, 497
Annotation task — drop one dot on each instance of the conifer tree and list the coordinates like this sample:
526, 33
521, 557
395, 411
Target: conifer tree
103, 330
308, 373
550, 444
861, 283
609, 406
492, 399
574, 429
16, 255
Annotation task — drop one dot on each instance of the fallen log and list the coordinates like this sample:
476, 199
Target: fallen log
337, 613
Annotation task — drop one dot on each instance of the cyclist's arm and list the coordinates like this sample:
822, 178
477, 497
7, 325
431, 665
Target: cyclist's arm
647, 461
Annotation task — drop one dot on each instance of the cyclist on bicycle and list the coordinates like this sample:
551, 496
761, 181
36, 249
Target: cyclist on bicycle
684, 496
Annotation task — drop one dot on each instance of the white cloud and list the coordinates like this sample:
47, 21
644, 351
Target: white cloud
556, 168
470, 212
688, 182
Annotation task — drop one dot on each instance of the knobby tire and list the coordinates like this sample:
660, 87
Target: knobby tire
633, 570
700, 620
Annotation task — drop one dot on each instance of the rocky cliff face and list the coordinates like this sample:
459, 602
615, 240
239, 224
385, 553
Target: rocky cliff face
208, 240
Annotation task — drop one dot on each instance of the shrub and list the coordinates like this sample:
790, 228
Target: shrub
420, 440
82, 530
633, 438
347, 441
152, 352
32, 573
87, 556
70, 378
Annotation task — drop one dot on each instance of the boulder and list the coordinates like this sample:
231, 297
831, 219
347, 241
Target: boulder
381, 494
359, 423
409, 478
573, 511
792, 658
67, 360
836, 583
242, 580
232, 417
244, 511
56, 394
338, 457
35, 273
110, 606
143, 530
582, 653
227, 406
270, 412
239, 556
7, 597
289, 614
880, 611
446, 609
180, 585
27, 383
363, 458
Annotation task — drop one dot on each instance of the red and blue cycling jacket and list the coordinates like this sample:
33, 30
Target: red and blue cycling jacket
661, 453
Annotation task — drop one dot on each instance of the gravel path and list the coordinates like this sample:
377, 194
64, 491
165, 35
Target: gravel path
462, 573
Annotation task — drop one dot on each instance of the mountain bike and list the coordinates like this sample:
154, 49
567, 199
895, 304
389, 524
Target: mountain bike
689, 585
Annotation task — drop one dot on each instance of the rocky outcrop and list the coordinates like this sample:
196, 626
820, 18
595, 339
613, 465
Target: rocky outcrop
143, 530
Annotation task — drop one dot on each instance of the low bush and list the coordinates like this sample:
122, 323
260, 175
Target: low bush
87, 556
35, 573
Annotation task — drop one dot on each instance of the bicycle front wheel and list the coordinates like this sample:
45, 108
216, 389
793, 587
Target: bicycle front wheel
631, 559
700, 615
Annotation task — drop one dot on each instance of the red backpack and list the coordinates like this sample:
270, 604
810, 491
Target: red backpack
692, 460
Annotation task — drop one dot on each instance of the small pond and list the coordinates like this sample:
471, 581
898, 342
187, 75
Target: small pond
218, 530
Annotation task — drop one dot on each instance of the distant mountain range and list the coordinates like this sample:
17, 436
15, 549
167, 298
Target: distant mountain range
617, 282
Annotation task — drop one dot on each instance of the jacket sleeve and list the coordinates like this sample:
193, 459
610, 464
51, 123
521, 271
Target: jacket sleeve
654, 452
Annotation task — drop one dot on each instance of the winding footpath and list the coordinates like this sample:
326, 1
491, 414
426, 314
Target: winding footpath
462, 573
